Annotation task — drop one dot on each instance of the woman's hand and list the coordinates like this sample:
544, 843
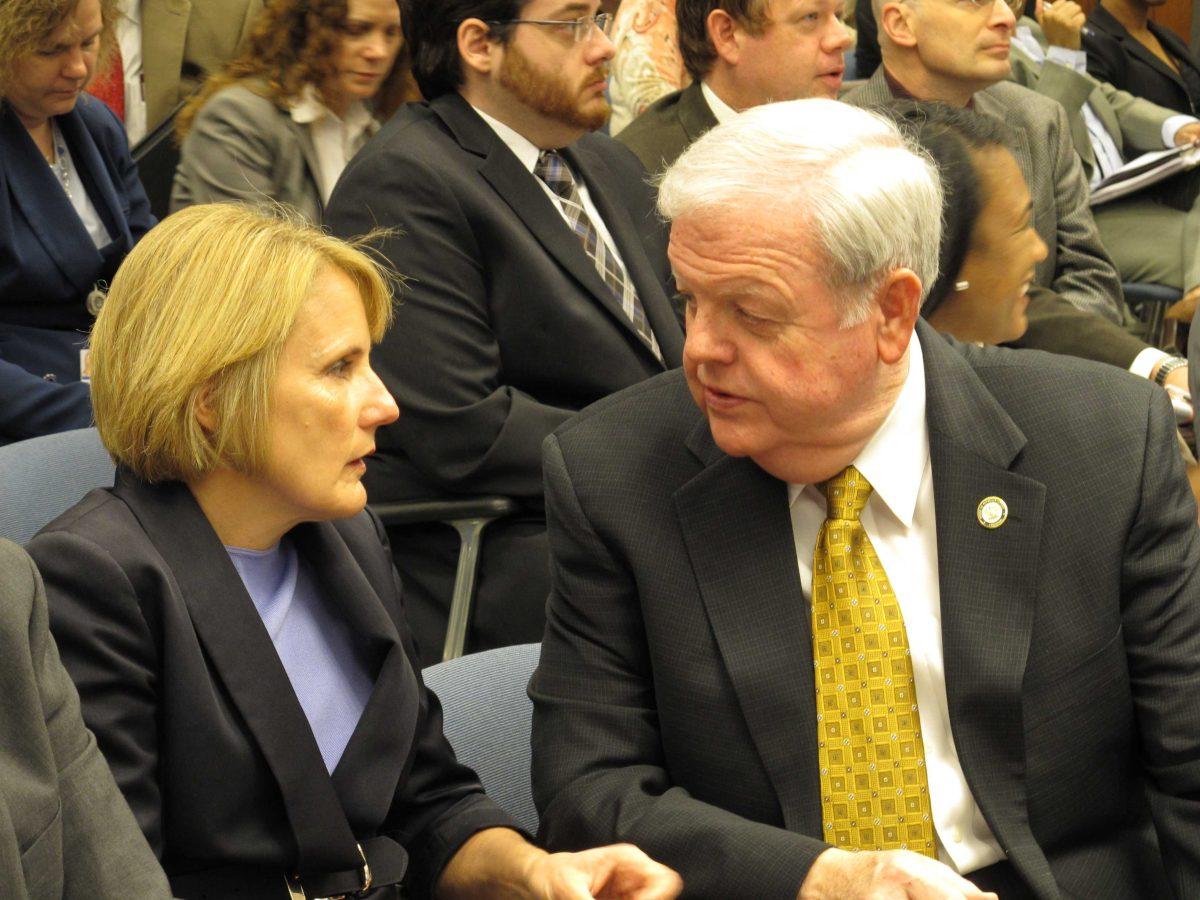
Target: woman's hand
617, 872
498, 862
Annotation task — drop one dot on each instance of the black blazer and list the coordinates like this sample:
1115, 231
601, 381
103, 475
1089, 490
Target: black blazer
198, 720
48, 263
505, 328
1116, 56
673, 705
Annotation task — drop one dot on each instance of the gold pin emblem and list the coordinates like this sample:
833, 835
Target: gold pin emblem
992, 512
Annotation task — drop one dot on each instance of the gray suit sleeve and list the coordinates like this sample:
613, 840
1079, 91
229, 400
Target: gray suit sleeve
103, 854
1160, 600
228, 154
1085, 275
599, 773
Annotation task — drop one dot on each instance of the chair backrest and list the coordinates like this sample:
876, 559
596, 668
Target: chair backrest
157, 156
488, 718
44, 476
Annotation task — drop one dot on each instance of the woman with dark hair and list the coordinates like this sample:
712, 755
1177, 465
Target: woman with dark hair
989, 246
71, 207
279, 124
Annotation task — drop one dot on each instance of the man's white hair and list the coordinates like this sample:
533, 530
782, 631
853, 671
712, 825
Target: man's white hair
850, 179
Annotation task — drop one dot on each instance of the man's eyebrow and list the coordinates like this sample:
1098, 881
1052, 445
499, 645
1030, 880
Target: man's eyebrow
570, 10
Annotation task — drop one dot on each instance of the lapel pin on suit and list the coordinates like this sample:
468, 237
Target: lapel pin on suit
992, 512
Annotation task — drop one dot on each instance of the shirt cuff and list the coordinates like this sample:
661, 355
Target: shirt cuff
1143, 364
1171, 128
1064, 56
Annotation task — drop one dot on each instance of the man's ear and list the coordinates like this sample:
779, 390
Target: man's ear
896, 22
477, 45
899, 299
725, 36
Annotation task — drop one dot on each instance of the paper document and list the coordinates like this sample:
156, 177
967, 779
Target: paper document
1147, 169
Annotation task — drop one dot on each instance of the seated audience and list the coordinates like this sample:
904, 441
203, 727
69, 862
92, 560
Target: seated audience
537, 283
1152, 235
71, 207
67, 832
773, 659
646, 63
957, 53
665, 131
740, 54
230, 614
1137, 55
162, 54
280, 122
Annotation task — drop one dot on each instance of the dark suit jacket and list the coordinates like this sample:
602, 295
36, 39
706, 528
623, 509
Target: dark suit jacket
668, 127
505, 327
196, 715
674, 699
66, 832
48, 263
1116, 56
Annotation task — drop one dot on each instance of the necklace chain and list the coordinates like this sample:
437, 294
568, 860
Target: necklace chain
60, 164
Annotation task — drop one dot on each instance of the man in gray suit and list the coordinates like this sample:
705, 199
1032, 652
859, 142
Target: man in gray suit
957, 52
1153, 235
65, 829
840, 585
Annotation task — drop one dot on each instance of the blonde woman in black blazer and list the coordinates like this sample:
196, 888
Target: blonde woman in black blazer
233, 387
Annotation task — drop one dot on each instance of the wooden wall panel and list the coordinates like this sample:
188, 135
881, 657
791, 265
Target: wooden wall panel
1175, 14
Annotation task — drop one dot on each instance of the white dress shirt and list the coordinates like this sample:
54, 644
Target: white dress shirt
129, 39
335, 140
899, 519
527, 154
77, 192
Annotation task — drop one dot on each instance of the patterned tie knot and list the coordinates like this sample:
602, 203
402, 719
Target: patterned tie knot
846, 494
552, 169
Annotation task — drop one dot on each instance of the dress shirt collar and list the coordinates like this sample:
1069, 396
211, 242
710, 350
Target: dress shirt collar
720, 109
894, 459
308, 109
523, 149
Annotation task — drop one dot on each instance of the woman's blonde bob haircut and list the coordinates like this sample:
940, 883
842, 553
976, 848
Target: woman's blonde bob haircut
200, 309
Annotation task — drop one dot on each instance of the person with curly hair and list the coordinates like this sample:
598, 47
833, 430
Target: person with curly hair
71, 208
280, 122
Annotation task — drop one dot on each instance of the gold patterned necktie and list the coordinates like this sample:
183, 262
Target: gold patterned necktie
874, 787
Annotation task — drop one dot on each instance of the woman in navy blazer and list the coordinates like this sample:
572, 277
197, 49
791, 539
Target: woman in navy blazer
61, 152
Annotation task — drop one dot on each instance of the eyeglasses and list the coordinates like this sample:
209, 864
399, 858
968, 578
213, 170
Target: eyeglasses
580, 29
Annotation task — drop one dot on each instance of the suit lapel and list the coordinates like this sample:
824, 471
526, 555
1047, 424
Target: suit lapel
988, 593
519, 189
95, 173
308, 150
366, 776
245, 661
44, 204
738, 531
695, 116
166, 22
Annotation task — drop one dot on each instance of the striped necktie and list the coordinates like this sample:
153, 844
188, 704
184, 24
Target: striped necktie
553, 170
874, 787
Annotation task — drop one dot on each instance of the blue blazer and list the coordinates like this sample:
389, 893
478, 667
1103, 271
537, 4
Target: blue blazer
48, 263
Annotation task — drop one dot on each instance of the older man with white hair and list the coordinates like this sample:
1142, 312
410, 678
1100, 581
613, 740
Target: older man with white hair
843, 610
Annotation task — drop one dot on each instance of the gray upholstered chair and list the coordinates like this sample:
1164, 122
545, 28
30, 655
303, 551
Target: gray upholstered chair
488, 717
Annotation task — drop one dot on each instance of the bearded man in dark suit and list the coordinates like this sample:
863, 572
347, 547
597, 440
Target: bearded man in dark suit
536, 284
